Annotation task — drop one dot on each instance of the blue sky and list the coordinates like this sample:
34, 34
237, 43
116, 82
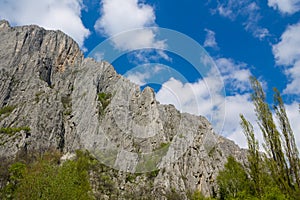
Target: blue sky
243, 38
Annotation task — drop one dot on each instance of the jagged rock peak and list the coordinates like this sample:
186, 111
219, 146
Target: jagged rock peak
4, 24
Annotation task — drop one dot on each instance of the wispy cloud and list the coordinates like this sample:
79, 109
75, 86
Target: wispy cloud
287, 53
247, 11
285, 6
50, 14
119, 16
148, 56
251, 11
210, 39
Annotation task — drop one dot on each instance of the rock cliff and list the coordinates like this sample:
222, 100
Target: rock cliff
53, 97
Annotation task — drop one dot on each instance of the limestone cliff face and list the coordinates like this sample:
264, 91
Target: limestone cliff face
59, 99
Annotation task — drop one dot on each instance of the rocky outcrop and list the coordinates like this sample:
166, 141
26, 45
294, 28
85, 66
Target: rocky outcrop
53, 97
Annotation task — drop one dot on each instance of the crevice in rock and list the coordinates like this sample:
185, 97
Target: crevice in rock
46, 70
8, 93
61, 144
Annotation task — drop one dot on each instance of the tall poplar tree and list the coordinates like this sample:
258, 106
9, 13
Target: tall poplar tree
281, 158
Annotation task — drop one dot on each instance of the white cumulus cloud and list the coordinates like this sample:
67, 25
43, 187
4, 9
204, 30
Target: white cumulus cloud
235, 74
285, 6
294, 75
294, 117
138, 77
287, 53
194, 98
236, 105
119, 16
51, 14
242, 104
222, 111
122, 15
205, 97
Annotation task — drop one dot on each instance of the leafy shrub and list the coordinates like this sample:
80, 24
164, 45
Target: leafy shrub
197, 195
13, 130
164, 145
7, 109
104, 98
45, 179
66, 101
173, 195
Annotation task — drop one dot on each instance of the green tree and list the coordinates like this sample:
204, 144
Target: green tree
254, 158
290, 147
233, 181
274, 174
279, 167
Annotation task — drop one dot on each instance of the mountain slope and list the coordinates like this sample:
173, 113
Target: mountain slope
53, 97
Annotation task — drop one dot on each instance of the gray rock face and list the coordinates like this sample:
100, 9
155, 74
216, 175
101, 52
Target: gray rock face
58, 99
37, 72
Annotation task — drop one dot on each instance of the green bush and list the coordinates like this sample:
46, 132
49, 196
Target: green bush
197, 195
173, 194
164, 145
6, 109
66, 101
13, 130
104, 98
45, 179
